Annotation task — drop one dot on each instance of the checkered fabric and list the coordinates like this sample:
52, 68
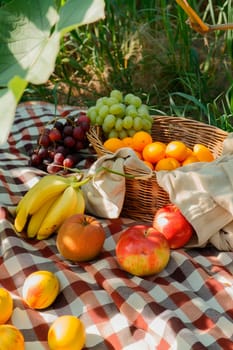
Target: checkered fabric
187, 306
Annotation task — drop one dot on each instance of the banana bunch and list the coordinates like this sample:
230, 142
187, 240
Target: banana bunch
47, 204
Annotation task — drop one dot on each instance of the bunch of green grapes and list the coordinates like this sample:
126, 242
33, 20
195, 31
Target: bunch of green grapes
120, 116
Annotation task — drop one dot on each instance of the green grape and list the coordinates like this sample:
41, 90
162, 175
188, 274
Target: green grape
119, 124
128, 98
122, 134
99, 120
90, 110
131, 110
99, 101
117, 94
113, 133
105, 100
128, 122
131, 132
117, 109
136, 101
137, 123
103, 111
106, 128
110, 121
149, 117
143, 111
146, 125
111, 101
92, 114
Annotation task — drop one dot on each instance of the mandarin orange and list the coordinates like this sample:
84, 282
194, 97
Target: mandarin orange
202, 153
167, 164
154, 151
140, 140
177, 150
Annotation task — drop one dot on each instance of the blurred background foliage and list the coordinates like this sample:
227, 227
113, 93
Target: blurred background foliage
147, 48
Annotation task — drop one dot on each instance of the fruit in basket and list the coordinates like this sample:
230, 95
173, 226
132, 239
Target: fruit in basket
140, 139
113, 144
120, 116
190, 159
6, 305
176, 149
142, 251
154, 151
62, 143
11, 338
168, 163
47, 204
202, 153
40, 289
67, 332
80, 238
173, 225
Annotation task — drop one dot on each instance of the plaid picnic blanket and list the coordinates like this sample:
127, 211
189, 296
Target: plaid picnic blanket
187, 306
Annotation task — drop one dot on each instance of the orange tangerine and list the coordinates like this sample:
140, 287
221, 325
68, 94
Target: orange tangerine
190, 159
140, 140
168, 163
154, 151
202, 153
177, 150
113, 144
189, 152
149, 164
128, 141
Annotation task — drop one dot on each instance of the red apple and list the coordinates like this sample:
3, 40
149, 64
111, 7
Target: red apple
173, 225
142, 250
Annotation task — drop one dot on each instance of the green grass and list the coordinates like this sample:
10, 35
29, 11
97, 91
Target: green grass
147, 48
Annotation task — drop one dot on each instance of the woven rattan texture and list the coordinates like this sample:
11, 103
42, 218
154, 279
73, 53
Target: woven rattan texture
143, 195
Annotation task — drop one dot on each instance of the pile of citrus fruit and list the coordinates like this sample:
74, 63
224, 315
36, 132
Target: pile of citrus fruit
159, 155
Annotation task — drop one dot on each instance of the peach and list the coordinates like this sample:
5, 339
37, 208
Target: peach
40, 289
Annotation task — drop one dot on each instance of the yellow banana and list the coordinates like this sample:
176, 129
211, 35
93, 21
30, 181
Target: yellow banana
80, 208
64, 206
46, 188
37, 218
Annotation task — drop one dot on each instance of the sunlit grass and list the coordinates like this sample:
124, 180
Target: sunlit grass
149, 49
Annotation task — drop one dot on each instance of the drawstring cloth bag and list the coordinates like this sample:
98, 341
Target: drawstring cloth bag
204, 194
105, 193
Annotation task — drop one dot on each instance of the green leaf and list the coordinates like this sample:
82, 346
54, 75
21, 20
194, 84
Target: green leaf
9, 98
88, 11
27, 47
30, 41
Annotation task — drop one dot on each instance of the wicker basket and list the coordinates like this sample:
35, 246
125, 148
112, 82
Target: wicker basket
143, 195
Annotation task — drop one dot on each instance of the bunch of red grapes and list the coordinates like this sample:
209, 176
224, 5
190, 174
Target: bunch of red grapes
63, 144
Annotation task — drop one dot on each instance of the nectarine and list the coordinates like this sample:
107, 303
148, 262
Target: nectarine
80, 238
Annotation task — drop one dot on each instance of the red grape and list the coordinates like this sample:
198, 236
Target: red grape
43, 152
79, 145
60, 143
69, 141
35, 160
68, 163
68, 130
58, 158
52, 168
55, 135
44, 140
79, 133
